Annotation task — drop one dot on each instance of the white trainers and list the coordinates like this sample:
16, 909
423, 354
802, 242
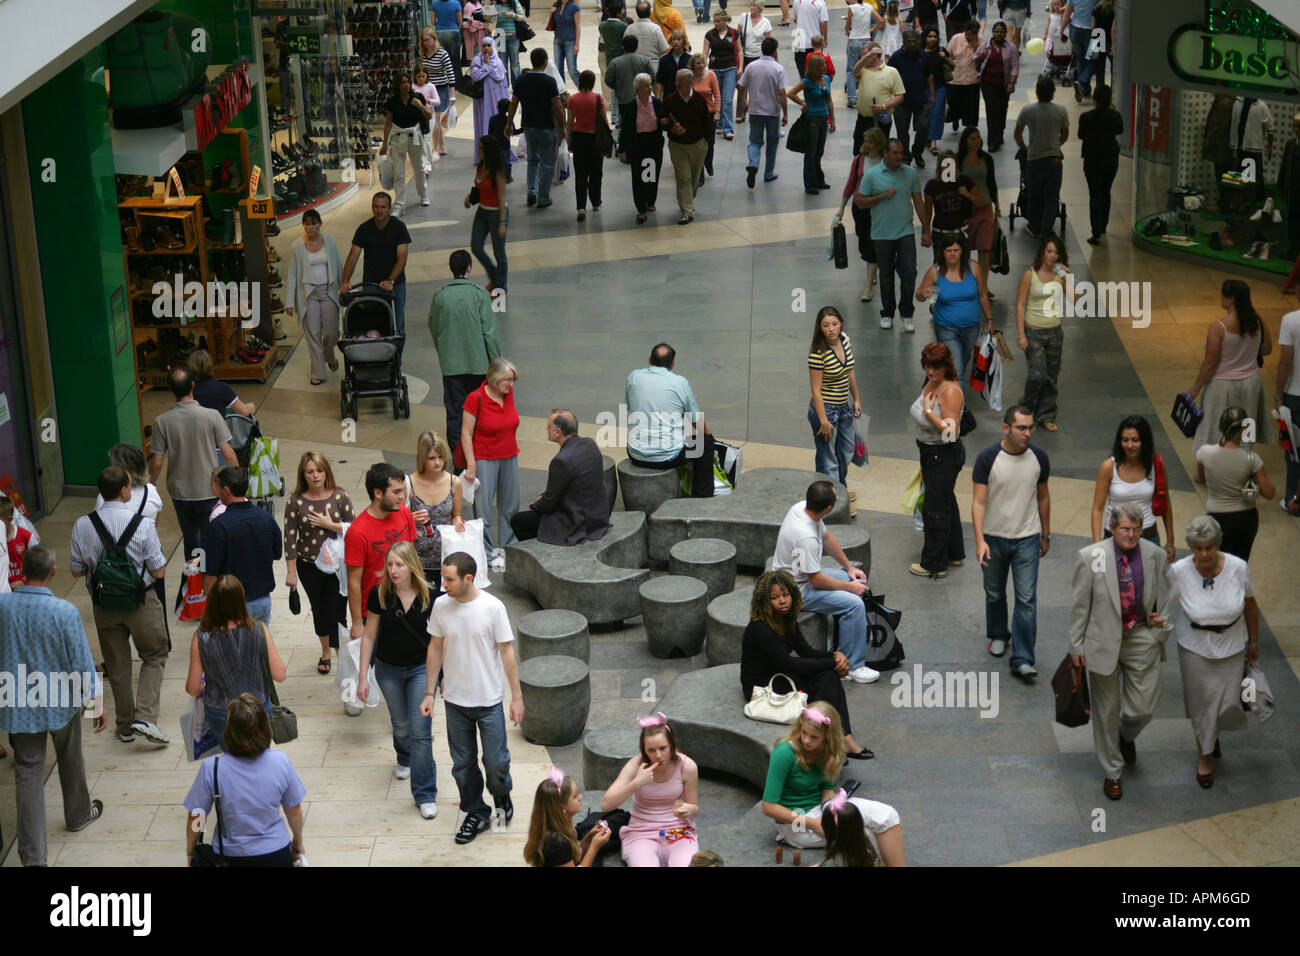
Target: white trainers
399, 209
864, 675
886, 322
498, 560
908, 326
428, 810
997, 648
1024, 671
402, 773
150, 732
424, 201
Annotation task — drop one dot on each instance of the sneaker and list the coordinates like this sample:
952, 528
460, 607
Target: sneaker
886, 322
129, 738
505, 807
997, 647
582, 215
921, 572
402, 773
96, 811
399, 210
150, 732
424, 201
474, 825
532, 200
1255, 248
864, 675
498, 563
1265, 251
908, 325
1024, 671
429, 810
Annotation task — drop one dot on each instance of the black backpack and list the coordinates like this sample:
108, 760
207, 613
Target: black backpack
116, 584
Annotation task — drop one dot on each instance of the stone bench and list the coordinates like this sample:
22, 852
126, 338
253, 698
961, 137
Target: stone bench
750, 517
673, 609
712, 560
606, 751
610, 476
544, 633
598, 579
645, 489
557, 699
728, 616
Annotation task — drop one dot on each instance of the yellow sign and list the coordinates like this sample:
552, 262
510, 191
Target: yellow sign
259, 208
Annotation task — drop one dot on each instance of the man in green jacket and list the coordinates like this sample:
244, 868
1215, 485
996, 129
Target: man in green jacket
464, 330
611, 40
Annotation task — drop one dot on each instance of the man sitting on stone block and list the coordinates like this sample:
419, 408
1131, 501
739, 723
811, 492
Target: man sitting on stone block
575, 505
665, 425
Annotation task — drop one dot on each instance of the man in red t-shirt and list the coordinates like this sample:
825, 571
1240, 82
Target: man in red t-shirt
386, 521
16, 539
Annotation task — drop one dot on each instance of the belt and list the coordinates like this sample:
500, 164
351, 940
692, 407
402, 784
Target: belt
1214, 628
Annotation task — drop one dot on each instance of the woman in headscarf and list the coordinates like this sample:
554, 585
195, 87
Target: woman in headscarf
667, 18
491, 69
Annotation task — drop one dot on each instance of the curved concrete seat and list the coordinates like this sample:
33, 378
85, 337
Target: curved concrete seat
645, 489
544, 633
557, 699
606, 751
749, 517
712, 560
598, 579
673, 609
728, 616
610, 476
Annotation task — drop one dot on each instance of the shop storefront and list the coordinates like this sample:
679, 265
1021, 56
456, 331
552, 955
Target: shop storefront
1216, 133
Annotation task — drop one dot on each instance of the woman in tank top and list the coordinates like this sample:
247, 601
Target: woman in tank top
1128, 476
961, 298
1228, 470
935, 423
434, 497
664, 786
1235, 347
1039, 307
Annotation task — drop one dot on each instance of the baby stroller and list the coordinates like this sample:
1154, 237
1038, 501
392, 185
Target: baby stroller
1058, 63
372, 364
260, 455
1018, 208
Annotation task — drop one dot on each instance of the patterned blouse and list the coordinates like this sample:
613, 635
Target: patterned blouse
302, 539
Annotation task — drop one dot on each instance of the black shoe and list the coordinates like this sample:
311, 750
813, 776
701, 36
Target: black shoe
851, 786
96, 810
920, 160
751, 174
863, 754
474, 825
1128, 750
1094, 241
505, 806
532, 200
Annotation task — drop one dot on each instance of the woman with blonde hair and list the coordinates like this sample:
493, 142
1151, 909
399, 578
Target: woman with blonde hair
438, 67
317, 512
433, 494
801, 780
552, 840
491, 449
397, 625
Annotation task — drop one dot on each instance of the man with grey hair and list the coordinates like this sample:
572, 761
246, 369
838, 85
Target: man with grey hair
575, 505
689, 123
1119, 622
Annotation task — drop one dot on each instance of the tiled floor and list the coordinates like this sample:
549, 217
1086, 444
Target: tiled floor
735, 292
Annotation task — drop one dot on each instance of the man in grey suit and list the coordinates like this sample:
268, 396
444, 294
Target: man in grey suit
575, 506
1118, 626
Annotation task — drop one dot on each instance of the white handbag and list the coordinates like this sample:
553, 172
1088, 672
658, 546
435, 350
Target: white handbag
766, 704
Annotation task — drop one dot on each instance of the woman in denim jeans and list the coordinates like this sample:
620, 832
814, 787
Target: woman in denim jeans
397, 640
961, 297
858, 24
568, 34
835, 398
1038, 327
509, 12
493, 215
727, 61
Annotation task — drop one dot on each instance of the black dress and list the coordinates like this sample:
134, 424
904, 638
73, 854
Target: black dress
763, 652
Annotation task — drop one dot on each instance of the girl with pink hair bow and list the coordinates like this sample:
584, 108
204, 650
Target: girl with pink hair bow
664, 786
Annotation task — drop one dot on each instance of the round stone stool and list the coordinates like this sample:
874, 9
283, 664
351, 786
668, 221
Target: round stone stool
605, 753
557, 697
545, 633
712, 560
728, 617
673, 608
645, 489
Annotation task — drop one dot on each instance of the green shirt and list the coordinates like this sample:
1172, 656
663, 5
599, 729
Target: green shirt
464, 328
611, 34
789, 785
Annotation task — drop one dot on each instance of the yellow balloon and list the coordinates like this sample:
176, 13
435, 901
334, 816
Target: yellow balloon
1034, 46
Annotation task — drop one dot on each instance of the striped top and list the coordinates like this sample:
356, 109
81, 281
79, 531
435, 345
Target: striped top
439, 68
835, 374
232, 664
144, 548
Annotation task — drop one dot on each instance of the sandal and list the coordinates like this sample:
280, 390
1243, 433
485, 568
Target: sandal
323, 665
318, 381
1050, 426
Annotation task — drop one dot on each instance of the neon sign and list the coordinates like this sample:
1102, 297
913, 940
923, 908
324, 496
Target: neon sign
1238, 46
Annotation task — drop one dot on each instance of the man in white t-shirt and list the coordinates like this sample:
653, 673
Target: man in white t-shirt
800, 544
472, 644
1288, 395
810, 18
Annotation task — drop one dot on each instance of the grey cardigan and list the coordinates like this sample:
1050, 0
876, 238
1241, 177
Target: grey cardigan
300, 286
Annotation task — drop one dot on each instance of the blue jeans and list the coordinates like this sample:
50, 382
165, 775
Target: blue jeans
1020, 556
897, 255
541, 162
465, 725
850, 616
852, 53
961, 342
833, 460
260, 609
403, 689
485, 227
564, 52
764, 129
512, 57
451, 40
1080, 37
727, 90
1292, 468
937, 111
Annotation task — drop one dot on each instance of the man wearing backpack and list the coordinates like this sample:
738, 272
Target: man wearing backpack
118, 552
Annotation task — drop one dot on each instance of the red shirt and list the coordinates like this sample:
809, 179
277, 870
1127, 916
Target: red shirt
17, 548
830, 64
584, 106
494, 425
367, 543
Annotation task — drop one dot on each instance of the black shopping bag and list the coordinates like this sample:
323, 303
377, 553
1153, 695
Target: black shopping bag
1070, 685
839, 246
796, 137
1186, 415
884, 650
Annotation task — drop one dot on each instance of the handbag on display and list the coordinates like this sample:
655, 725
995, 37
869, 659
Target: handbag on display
209, 855
767, 705
284, 722
1186, 415
1070, 685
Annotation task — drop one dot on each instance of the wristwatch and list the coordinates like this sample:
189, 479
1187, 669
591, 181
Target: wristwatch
1046, 537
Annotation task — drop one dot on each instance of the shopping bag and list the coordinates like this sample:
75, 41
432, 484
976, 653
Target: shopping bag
387, 173
979, 368
1070, 685
194, 601
467, 491
197, 737
562, 164
264, 467
1003, 349
345, 679
450, 116
796, 138
884, 651
1286, 434
1186, 415
519, 149
729, 459
469, 541
991, 358
860, 441
912, 493
839, 246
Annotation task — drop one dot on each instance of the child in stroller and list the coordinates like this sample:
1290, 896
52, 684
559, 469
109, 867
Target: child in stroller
372, 355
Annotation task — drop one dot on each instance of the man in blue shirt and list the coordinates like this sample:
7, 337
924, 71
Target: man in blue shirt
1076, 26
41, 638
244, 541
892, 191
665, 425
913, 65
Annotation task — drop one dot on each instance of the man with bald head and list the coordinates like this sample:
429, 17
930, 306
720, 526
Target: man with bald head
575, 506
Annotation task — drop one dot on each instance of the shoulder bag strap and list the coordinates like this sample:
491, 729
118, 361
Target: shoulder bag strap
129, 533
266, 667
216, 802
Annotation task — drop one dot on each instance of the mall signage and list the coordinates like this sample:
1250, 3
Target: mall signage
1237, 45
213, 108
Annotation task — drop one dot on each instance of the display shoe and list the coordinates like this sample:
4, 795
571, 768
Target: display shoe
234, 179
1263, 211
167, 239
272, 228
216, 177
272, 255
276, 304
1253, 251
227, 227
1216, 243
1265, 250
273, 279
132, 238
147, 243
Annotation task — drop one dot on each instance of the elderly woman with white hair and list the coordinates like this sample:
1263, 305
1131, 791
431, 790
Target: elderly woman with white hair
1216, 619
641, 143
491, 448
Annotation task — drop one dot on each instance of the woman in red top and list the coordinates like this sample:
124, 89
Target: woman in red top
492, 215
492, 453
588, 162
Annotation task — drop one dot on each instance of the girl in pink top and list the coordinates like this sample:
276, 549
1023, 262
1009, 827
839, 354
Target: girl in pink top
664, 786
474, 29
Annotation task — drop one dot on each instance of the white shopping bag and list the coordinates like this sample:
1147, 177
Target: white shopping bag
451, 116
330, 558
345, 680
469, 541
387, 172
562, 164
467, 491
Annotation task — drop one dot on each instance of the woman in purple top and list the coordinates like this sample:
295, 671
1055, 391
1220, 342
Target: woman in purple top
491, 69
254, 783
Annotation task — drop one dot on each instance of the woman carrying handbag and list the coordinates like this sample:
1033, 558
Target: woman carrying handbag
586, 111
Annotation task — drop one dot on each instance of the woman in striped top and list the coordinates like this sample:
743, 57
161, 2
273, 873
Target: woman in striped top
835, 400
436, 63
